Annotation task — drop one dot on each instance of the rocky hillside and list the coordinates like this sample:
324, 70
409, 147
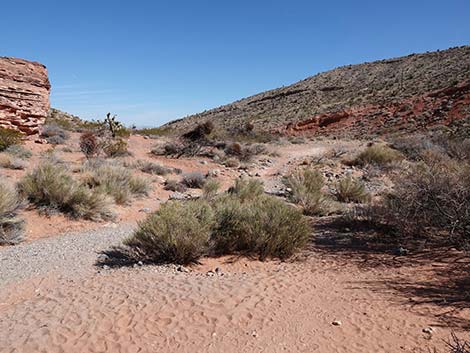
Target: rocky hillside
406, 93
24, 94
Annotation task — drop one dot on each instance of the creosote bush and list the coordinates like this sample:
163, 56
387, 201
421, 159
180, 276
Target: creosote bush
115, 180
306, 190
9, 138
11, 226
242, 221
350, 189
51, 187
377, 154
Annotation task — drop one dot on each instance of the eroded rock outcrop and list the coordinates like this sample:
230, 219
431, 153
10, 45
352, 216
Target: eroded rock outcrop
24, 95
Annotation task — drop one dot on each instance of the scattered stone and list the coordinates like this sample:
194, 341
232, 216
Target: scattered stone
336, 323
140, 263
429, 330
203, 162
182, 269
218, 271
210, 274
106, 267
145, 210
177, 196
401, 251
254, 334
102, 257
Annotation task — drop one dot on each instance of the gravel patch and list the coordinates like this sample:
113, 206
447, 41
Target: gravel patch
68, 254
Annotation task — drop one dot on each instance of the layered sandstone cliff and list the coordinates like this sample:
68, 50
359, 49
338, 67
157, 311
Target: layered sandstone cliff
24, 95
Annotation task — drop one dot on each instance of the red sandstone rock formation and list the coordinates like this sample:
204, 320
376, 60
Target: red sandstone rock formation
24, 95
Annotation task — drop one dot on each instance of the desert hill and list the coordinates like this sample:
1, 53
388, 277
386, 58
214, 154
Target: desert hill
407, 93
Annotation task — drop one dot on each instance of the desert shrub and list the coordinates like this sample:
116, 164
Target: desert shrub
459, 149
349, 189
234, 149
51, 187
210, 189
153, 168
200, 131
194, 180
11, 226
116, 148
262, 226
232, 163
89, 144
244, 153
433, 199
179, 232
54, 134
306, 190
174, 185
115, 181
168, 149
19, 151
9, 138
412, 147
377, 154
247, 189
12, 163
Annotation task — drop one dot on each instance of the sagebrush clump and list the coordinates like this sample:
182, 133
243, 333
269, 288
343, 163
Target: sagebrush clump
377, 154
350, 189
9, 138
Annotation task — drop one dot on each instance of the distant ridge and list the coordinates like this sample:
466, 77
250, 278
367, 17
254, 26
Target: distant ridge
407, 93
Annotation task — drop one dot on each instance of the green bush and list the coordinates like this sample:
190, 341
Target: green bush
179, 232
11, 226
306, 190
247, 189
349, 189
115, 181
377, 154
116, 148
9, 138
210, 189
50, 186
262, 226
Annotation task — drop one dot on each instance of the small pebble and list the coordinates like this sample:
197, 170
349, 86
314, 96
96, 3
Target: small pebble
336, 323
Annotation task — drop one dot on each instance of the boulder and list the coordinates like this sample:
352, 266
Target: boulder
24, 95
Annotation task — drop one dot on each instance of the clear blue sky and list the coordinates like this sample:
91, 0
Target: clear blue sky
153, 61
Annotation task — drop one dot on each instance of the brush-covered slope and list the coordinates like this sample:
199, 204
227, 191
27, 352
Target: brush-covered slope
406, 93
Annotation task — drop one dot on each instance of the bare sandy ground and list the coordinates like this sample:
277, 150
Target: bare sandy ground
252, 307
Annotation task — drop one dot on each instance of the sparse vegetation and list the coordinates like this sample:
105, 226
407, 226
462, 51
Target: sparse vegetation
51, 187
350, 189
116, 148
9, 138
12, 163
153, 168
210, 189
11, 225
306, 190
175, 186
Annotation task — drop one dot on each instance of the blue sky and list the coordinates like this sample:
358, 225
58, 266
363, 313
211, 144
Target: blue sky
153, 61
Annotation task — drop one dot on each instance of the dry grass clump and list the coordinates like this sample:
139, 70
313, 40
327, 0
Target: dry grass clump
116, 181
232, 163
54, 134
377, 154
153, 168
9, 138
350, 189
89, 144
179, 232
19, 151
194, 180
51, 187
11, 226
238, 222
12, 163
306, 190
